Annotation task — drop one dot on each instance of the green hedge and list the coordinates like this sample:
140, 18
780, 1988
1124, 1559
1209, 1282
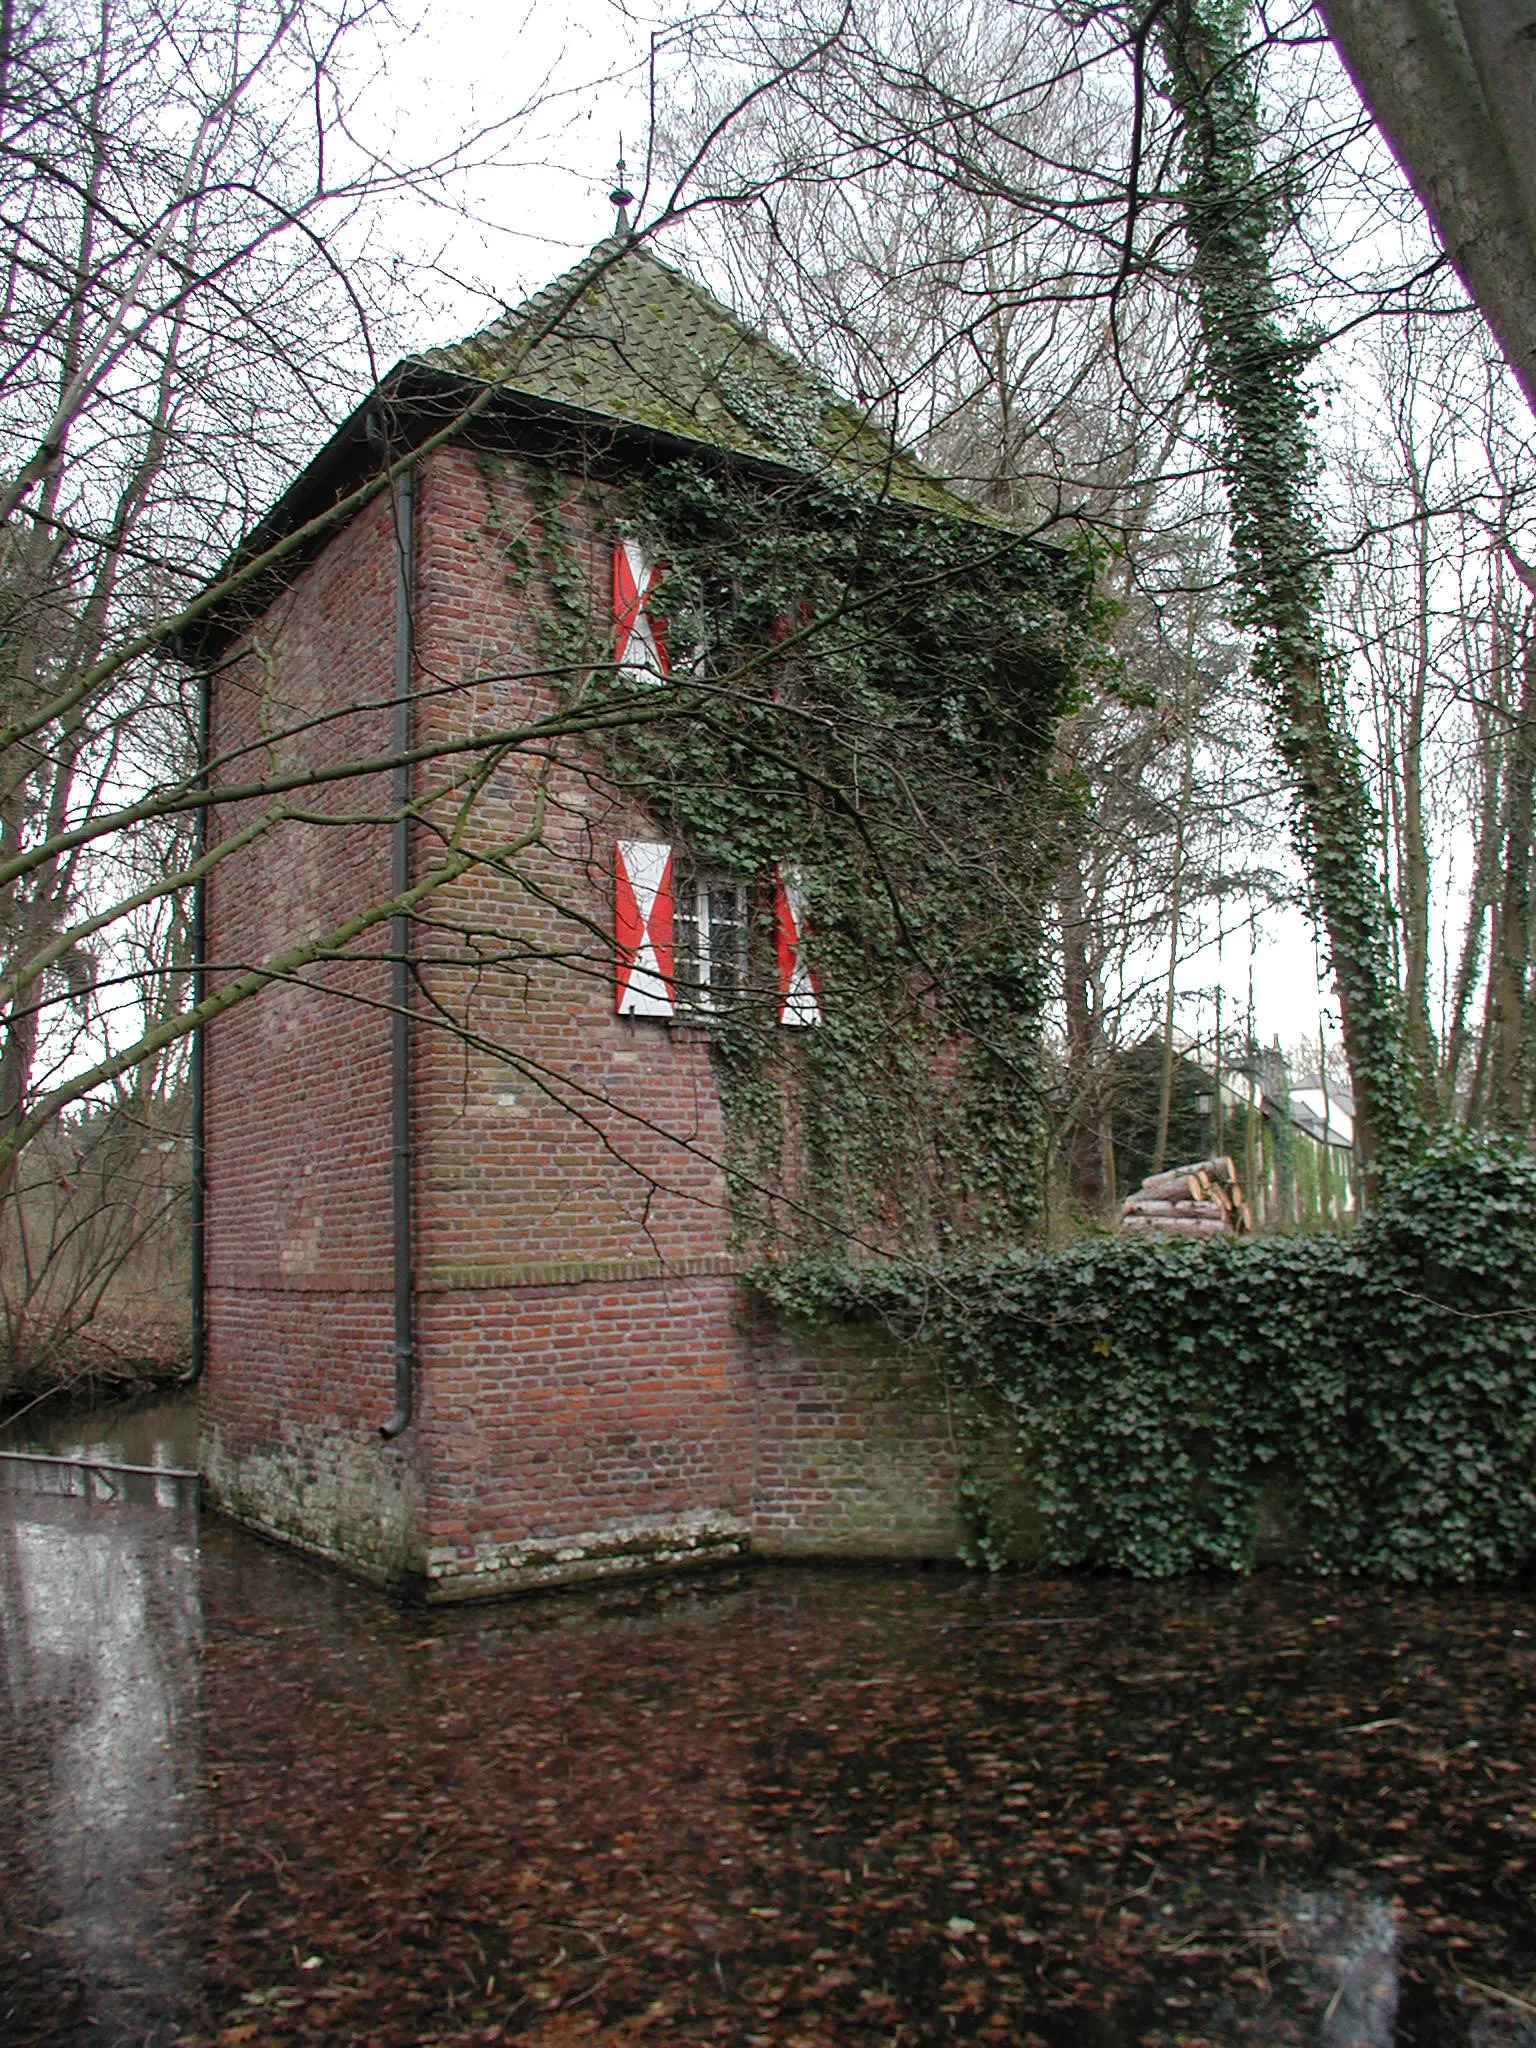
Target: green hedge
1371, 1395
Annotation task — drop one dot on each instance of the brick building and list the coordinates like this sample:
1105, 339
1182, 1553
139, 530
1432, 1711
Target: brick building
472, 1311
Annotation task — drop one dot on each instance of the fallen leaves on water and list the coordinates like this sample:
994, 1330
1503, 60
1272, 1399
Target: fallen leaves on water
806, 1808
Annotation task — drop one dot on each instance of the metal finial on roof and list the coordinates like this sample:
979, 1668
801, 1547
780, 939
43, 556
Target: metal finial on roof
621, 197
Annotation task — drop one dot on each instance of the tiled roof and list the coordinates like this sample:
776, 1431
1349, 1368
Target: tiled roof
629, 338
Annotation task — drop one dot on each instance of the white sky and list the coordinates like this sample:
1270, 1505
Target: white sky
551, 90
1287, 999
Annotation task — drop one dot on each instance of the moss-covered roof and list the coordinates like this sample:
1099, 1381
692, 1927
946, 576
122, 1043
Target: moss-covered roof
626, 337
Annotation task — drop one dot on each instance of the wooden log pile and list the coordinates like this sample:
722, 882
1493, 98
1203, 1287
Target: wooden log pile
1203, 1200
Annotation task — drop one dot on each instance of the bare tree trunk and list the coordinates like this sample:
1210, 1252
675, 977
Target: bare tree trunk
1458, 1034
1219, 1111
1084, 1141
1509, 966
1175, 911
1418, 1032
1478, 1088
1470, 959
1452, 86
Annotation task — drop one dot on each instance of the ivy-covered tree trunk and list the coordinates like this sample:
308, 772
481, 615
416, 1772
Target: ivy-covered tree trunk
1252, 372
1509, 967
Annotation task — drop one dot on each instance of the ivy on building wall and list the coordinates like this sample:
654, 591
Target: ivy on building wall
1358, 1404
866, 695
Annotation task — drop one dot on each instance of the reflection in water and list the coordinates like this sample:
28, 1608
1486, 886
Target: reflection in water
1348, 1948
159, 1429
799, 1809
99, 1614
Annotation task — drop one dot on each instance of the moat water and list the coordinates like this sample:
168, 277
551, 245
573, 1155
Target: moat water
243, 1800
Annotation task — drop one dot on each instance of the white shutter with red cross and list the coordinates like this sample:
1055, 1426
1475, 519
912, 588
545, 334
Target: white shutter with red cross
799, 991
642, 929
639, 637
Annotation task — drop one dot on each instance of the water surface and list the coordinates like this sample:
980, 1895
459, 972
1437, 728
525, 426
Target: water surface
245, 1801
154, 1429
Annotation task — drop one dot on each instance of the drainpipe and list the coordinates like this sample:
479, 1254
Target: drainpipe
199, 977
400, 981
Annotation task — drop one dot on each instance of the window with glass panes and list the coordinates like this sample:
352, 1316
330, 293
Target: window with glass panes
710, 941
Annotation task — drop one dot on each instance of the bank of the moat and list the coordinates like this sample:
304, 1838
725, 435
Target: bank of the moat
246, 1801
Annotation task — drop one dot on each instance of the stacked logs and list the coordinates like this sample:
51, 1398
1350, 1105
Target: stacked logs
1203, 1200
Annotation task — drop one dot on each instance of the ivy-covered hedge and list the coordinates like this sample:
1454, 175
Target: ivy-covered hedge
1362, 1403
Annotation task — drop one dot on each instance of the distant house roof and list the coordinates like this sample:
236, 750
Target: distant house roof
1328, 1119
621, 343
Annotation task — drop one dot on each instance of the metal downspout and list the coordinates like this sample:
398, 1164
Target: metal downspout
400, 980
199, 978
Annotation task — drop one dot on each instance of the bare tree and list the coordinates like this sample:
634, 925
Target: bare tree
1432, 603
187, 306
1001, 227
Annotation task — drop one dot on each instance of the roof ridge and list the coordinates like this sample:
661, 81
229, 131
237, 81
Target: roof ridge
610, 251
644, 343
512, 316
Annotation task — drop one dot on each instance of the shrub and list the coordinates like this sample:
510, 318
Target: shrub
1371, 1395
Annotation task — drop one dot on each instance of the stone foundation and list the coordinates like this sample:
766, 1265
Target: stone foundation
629, 1550
341, 1495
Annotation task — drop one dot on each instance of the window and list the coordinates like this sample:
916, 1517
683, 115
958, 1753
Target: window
681, 939
710, 941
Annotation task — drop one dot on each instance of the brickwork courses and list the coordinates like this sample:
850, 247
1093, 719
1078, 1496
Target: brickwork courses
597, 1391
297, 1092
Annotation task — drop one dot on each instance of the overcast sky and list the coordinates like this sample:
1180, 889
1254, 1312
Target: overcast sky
554, 89
549, 91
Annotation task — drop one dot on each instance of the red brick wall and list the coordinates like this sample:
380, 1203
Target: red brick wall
559, 1421
854, 1453
584, 1427
595, 1389
509, 1173
297, 1106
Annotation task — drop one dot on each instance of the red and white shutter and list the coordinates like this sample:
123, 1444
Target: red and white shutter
799, 991
639, 639
642, 929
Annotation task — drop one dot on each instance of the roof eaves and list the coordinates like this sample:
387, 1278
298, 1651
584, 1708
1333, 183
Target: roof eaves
421, 394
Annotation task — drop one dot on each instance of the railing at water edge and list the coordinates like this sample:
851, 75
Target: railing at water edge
97, 1479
